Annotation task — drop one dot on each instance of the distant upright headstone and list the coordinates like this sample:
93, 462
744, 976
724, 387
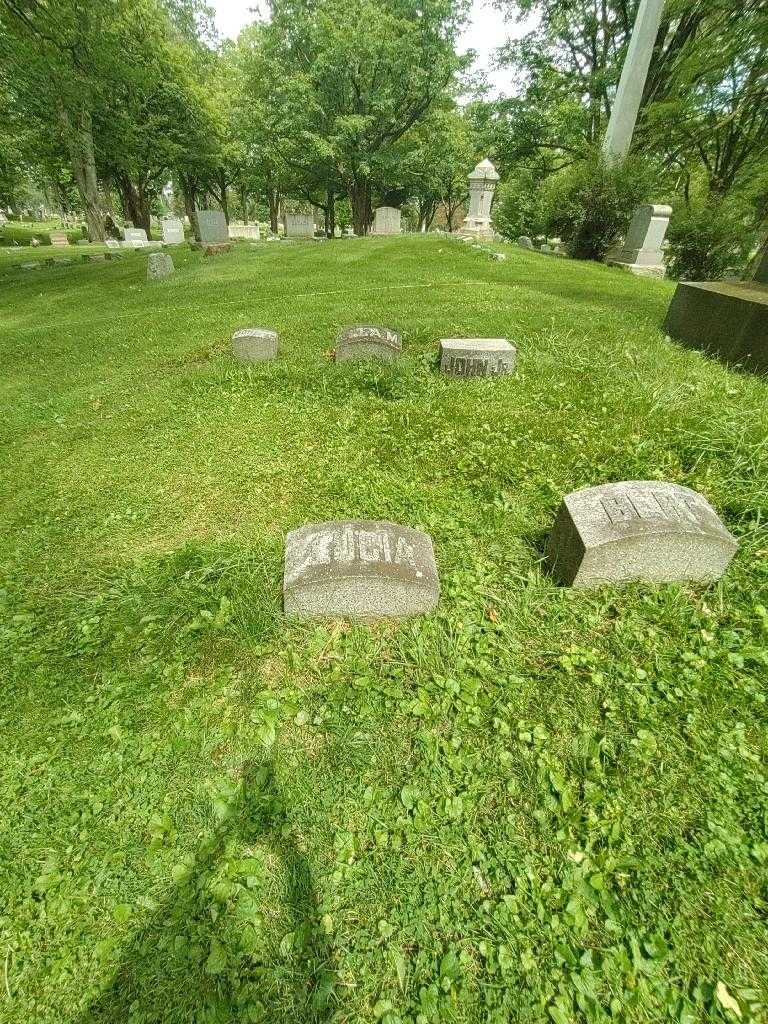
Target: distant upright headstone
386, 221
254, 345
173, 231
247, 231
213, 227
359, 569
111, 243
299, 225
59, 239
366, 341
477, 357
639, 530
349, 232
135, 238
641, 253
159, 265
525, 242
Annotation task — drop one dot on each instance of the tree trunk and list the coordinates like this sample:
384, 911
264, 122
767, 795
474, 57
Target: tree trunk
224, 196
360, 201
273, 197
189, 191
145, 216
79, 142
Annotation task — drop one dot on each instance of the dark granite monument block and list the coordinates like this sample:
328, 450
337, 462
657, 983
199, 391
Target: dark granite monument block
725, 319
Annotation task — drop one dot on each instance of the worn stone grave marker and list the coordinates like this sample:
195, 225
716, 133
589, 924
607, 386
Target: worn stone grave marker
386, 221
135, 238
641, 253
359, 569
213, 227
60, 239
299, 225
173, 231
638, 530
254, 344
250, 232
525, 242
111, 243
367, 341
159, 265
477, 357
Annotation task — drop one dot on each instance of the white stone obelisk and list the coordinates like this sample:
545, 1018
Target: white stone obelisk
621, 126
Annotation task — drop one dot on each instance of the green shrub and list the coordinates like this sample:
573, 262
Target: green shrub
518, 210
590, 204
707, 240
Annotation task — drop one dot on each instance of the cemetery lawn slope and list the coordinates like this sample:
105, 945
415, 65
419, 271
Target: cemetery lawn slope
535, 804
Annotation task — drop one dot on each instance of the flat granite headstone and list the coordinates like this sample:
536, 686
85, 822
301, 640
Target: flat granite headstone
173, 231
477, 357
359, 569
254, 345
135, 238
60, 239
367, 341
213, 227
638, 530
159, 265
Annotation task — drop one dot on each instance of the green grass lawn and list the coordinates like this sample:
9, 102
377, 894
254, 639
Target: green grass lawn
534, 805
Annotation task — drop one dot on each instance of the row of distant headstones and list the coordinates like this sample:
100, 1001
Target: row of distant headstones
637, 530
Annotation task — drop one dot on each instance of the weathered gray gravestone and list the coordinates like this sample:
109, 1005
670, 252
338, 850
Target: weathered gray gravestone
247, 231
477, 357
641, 253
386, 221
111, 243
159, 265
213, 227
134, 238
359, 569
299, 225
367, 341
173, 231
254, 345
60, 239
525, 242
639, 530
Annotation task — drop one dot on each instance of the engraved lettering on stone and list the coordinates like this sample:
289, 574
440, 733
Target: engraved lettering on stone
404, 553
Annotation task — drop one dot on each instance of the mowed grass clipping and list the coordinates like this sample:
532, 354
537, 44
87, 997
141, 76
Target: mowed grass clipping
533, 805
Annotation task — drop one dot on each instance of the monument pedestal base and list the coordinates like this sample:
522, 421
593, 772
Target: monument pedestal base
638, 269
725, 319
477, 227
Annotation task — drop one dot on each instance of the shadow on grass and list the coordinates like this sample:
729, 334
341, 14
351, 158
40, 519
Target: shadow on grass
174, 970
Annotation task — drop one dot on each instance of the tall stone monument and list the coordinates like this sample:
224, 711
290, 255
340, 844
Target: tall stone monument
621, 126
386, 221
641, 253
482, 185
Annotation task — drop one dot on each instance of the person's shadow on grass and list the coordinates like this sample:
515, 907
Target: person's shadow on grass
181, 968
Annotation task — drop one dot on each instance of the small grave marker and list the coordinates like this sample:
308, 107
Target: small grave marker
477, 357
386, 221
213, 227
359, 569
367, 341
254, 344
135, 238
60, 239
639, 530
159, 265
299, 225
173, 231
